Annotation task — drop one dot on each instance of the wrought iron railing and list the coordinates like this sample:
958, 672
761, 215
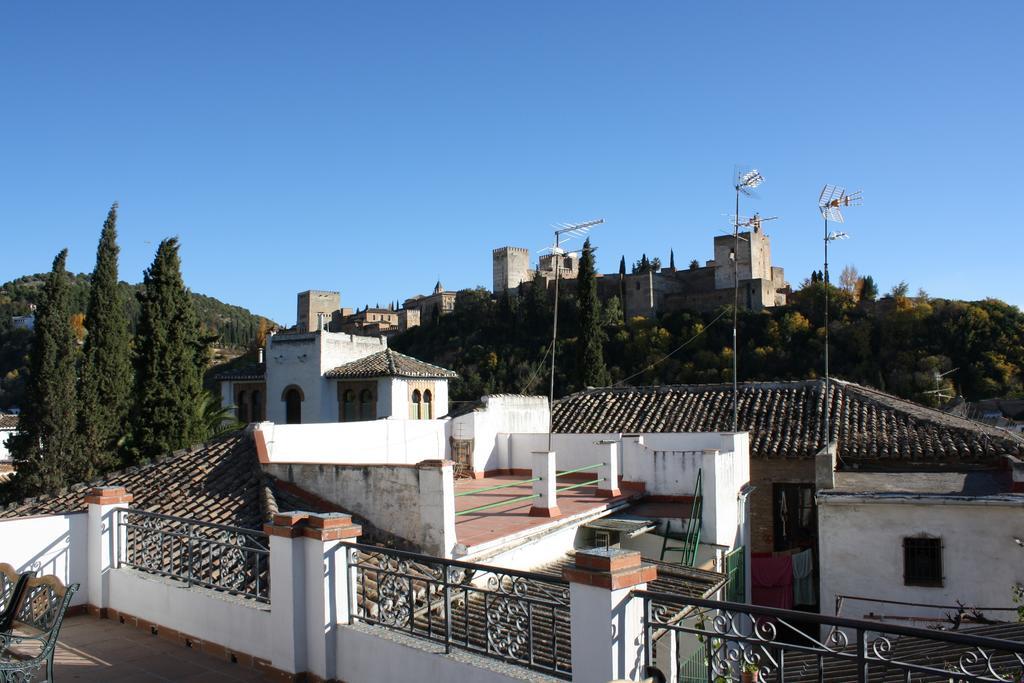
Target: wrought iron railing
793, 647
216, 556
515, 616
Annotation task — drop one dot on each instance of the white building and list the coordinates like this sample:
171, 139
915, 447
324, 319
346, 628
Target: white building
8, 425
910, 546
320, 376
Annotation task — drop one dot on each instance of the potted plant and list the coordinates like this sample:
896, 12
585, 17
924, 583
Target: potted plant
750, 672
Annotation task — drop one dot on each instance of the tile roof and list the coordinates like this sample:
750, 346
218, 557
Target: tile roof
973, 483
785, 420
254, 372
389, 363
8, 421
220, 482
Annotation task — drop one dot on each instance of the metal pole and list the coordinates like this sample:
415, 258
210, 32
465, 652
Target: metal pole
554, 338
735, 309
828, 393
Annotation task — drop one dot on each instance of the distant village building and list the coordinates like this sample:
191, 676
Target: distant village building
8, 425
647, 294
315, 377
23, 322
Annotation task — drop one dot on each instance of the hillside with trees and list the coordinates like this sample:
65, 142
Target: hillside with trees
897, 343
234, 327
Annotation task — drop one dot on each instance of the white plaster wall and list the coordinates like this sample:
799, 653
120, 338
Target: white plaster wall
393, 398
54, 545
861, 553
367, 655
239, 625
374, 442
491, 427
302, 359
667, 464
5, 451
405, 500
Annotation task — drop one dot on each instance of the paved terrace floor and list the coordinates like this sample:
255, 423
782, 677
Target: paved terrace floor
476, 528
91, 649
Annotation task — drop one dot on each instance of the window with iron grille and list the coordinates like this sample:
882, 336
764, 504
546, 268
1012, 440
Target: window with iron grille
922, 561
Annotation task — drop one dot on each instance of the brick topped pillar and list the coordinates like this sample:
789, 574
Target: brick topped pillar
328, 586
606, 623
102, 551
311, 588
609, 472
546, 502
287, 594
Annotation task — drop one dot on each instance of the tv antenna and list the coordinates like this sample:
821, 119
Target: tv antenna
744, 182
939, 391
568, 231
830, 202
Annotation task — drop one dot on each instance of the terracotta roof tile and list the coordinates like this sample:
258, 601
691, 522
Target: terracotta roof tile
252, 372
389, 363
785, 420
219, 482
8, 421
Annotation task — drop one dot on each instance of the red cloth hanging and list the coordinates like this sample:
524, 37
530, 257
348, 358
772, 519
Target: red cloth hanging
772, 579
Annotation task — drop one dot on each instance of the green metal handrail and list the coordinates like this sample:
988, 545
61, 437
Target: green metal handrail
497, 486
592, 482
510, 501
580, 469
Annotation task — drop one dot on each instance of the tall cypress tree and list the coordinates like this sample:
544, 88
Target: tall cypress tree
671, 259
590, 346
106, 381
169, 360
46, 448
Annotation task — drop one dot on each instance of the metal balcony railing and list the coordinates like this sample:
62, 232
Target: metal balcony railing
515, 616
718, 641
215, 556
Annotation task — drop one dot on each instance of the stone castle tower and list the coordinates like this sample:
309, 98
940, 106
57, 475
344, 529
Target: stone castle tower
511, 266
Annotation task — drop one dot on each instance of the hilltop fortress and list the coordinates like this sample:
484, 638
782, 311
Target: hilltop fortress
645, 294
697, 288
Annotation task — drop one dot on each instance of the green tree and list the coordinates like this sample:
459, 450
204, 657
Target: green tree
671, 259
106, 380
868, 289
591, 370
169, 362
47, 448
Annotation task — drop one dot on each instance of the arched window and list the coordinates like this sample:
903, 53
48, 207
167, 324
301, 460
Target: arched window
292, 405
428, 406
414, 407
242, 407
256, 413
348, 406
367, 405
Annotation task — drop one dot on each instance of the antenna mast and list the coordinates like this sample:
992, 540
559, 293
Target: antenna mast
572, 230
831, 199
743, 182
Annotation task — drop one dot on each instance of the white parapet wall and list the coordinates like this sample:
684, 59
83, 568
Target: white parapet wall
55, 545
238, 624
375, 442
667, 465
414, 502
490, 427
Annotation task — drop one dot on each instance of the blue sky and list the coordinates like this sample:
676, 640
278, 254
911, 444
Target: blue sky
374, 147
